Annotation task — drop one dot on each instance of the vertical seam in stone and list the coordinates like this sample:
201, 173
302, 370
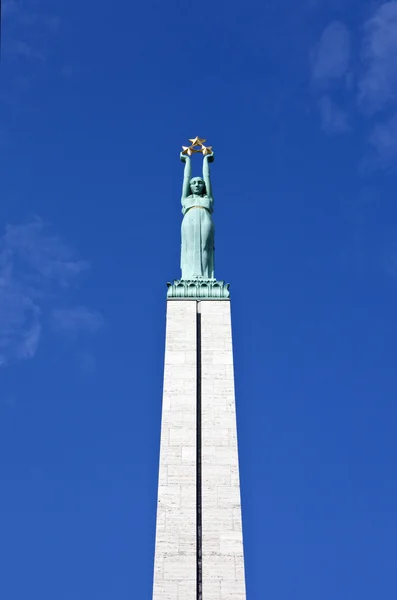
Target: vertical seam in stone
199, 529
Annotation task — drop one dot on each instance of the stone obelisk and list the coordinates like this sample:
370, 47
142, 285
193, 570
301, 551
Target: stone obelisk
199, 542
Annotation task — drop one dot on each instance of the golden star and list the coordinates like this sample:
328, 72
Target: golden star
206, 149
197, 141
187, 150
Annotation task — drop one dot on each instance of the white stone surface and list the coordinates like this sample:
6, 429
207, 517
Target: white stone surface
223, 558
175, 551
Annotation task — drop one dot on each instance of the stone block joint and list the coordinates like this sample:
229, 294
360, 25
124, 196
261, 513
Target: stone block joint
199, 539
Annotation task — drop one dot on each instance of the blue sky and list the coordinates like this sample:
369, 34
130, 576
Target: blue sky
299, 100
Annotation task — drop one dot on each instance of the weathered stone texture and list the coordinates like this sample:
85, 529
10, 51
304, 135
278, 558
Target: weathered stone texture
175, 551
222, 541
223, 559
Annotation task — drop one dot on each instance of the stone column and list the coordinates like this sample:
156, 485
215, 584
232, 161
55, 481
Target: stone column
222, 540
199, 544
175, 551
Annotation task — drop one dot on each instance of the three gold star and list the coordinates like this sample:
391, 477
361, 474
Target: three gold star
197, 145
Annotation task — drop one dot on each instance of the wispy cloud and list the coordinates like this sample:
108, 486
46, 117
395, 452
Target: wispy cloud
330, 72
20, 326
45, 259
21, 49
353, 89
79, 319
384, 141
26, 32
378, 82
377, 86
331, 57
36, 270
9, 7
334, 120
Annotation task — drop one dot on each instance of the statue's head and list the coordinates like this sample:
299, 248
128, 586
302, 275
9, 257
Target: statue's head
197, 186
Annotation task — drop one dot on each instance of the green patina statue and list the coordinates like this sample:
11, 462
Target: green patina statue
197, 252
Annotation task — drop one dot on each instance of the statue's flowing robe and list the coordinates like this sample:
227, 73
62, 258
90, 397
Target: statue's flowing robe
197, 253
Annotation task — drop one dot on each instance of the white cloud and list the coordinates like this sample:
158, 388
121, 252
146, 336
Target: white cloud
21, 49
378, 83
9, 7
76, 320
36, 269
19, 323
372, 85
384, 141
334, 120
332, 55
47, 261
26, 34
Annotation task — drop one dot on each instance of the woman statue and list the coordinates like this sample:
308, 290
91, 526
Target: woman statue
197, 254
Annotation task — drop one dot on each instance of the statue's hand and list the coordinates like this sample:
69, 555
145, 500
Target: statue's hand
184, 157
209, 157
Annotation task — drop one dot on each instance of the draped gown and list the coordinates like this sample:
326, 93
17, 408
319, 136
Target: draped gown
197, 253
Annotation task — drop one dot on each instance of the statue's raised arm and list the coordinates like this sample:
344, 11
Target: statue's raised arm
187, 175
208, 158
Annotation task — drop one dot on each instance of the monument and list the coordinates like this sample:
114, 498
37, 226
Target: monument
199, 541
